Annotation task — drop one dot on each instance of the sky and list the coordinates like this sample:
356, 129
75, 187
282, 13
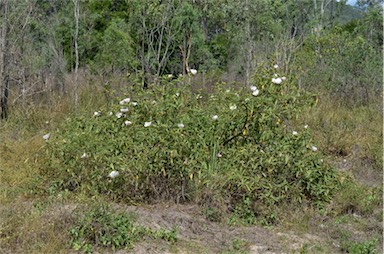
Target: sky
351, 2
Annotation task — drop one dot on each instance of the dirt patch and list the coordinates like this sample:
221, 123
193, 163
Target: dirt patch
197, 234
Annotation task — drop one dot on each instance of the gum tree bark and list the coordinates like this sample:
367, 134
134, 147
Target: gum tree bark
76, 12
4, 75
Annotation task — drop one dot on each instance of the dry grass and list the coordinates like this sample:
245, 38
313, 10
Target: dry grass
353, 135
19, 173
27, 227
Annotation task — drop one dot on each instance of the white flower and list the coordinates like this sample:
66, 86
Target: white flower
97, 113
277, 80
134, 103
256, 92
124, 110
215, 117
127, 123
314, 148
283, 78
113, 174
47, 136
180, 125
84, 156
177, 94
193, 71
233, 107
275, 66
295, 133
47, 122
125, 101
147, 124
119, 115
219, 155
170, 76
199, 96
110, 113
154, 102
254, 88
306, 126
227, 91
275, 75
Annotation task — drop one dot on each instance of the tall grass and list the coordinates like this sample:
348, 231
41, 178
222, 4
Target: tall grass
349, 132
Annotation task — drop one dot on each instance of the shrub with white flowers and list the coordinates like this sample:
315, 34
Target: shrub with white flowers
238, 143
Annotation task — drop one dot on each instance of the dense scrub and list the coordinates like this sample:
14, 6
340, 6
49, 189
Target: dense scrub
171, 144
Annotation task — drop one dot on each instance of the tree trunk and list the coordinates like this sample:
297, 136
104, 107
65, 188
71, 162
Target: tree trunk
4, 76
248, 45
76, 10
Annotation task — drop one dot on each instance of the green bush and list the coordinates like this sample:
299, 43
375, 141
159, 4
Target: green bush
367, 247
232, 143
100, 226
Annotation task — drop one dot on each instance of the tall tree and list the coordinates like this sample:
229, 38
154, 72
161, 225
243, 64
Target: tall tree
76, 15
4, 60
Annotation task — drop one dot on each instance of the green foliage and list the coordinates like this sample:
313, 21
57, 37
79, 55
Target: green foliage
102, 227
212, 214
243, 212
116, 50
349, 245
367, 247
249, 153
342, 62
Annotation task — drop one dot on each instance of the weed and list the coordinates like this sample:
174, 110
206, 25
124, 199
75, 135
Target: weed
212, 214
237, 246
102, 227
367, 247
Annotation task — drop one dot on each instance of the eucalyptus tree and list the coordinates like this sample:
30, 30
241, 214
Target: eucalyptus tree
250, 31
76, 11
4, 60
15, 22
191, 34
155, 35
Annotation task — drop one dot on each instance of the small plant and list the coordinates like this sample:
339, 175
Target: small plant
245, 212
102, 227
167, 235
367, 247
239, 245
212, 214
